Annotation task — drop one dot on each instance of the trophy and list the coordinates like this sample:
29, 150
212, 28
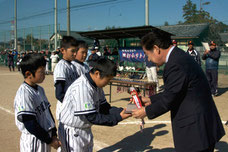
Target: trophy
137, 104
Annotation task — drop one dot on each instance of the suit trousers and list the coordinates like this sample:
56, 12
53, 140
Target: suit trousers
210, 149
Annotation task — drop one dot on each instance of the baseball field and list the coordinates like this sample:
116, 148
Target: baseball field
125, 137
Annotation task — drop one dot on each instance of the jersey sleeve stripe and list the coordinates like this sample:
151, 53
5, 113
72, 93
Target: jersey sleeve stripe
60, 78
77, 113
103, 102
26, 112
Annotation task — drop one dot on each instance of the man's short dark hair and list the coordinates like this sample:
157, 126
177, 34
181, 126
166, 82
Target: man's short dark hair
105, 66
157, 37
68, 41
31, 62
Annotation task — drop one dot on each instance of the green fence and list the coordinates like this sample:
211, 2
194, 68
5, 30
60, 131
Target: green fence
140, 67
32, 38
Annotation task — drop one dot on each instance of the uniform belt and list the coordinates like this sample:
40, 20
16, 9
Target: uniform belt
70, 127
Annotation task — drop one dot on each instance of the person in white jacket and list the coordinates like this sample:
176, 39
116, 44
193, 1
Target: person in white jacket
54, 60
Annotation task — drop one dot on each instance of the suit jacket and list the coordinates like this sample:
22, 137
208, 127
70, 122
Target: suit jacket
196, 124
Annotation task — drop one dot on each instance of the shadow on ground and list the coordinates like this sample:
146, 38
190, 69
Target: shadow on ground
122, 99
221, 146
222, 90
139, 141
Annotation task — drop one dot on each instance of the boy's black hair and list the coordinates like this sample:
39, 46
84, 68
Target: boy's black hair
156, 37
105, 66
68, 41
31, 62
81, 44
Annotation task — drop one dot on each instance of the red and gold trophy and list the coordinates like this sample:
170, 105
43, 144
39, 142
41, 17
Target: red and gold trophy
138, 103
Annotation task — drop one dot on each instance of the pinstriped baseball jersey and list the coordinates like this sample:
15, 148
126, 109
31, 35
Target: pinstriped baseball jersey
81, 68
81, 98
64, 70
33, 102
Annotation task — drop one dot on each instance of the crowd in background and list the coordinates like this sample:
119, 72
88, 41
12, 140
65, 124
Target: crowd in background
12, 58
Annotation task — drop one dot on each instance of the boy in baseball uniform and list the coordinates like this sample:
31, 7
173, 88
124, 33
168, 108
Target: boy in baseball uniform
84, 104
65, 72
32, 109
80, 57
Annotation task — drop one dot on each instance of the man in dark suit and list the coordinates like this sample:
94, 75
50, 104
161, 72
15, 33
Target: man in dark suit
196, 124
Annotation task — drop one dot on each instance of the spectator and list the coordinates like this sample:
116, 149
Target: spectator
11, 60
47, 61
97, 51
174, 42
93, 55
58, 51
5, 56
54, 60
19, 59
96, 43
212, 62
115, 51
193, 52
106, 53
15, 53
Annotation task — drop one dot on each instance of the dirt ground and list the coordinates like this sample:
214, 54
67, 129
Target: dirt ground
125, 137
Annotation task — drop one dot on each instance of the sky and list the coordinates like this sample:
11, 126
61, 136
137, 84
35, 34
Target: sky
88, 16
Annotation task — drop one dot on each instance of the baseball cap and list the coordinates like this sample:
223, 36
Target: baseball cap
174, 41
212, 43
93, 48
190, 43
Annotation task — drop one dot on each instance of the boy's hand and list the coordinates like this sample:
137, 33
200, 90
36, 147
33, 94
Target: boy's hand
124, 115
55, 143
139, 113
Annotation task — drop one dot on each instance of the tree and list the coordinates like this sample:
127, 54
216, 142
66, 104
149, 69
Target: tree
190, 12
194, 16
110, 28
166, 23
180, 22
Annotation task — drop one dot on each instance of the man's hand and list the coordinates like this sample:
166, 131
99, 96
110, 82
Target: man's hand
139, 113
145, 101
206, 51
124, 115
55, 143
